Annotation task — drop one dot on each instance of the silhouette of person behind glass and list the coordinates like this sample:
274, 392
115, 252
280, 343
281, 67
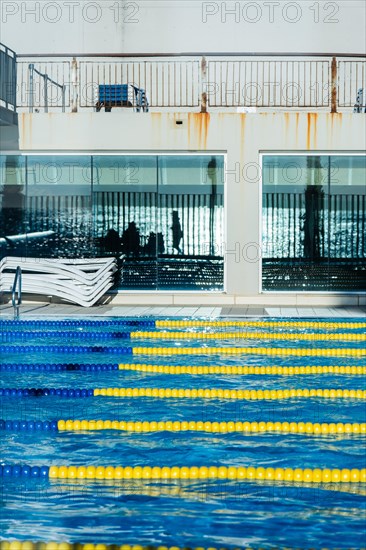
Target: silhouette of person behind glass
177, 232
112, 241
131, 240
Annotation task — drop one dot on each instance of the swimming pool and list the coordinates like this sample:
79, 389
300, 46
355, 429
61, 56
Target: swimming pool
266, 422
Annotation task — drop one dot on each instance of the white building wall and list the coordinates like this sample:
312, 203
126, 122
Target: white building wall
122, 26
243, 137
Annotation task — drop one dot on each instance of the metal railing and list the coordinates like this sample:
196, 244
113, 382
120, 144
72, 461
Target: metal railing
8, 78
203, 81
46, 81
16, 297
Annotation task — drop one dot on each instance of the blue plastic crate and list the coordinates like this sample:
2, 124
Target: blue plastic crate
121, 95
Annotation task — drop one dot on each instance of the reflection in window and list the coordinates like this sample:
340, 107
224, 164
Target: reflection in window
313, 222
162, 213
13, 219
59, 205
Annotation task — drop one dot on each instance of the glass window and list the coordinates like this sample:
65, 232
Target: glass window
59, 206
190, 222
164, 213
125, 215
13, 208
160, 215
313, 222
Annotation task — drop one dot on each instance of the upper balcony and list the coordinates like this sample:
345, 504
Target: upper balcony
230, 82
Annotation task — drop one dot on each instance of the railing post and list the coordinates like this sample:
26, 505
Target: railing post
63, 98
334, 85
203, 85
31, 91
45, 91
74, 80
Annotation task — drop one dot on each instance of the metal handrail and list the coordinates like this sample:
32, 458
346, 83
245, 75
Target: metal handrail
46, 79
17, 281
194, 54
253, 79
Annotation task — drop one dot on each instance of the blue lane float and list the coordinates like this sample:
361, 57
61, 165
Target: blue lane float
29, 425
23, 470
11, 335
64, 367
76, 323
42, 392
65, 349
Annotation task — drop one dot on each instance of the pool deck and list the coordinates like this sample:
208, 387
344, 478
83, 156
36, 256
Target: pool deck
43, 310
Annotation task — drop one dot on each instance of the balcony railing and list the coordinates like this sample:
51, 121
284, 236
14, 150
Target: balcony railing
8, 78
197, 82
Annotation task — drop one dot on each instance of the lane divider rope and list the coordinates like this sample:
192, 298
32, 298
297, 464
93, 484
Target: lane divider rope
29, 425
29, 545
243, 336
77, 323
221, 393
10, 336
35, 367
65, 349
211, 472
40, 392
243, 369
61, 425
353, 370
51, 545
91, 472
323, 428
209, 426
170, 323
194, 393
322, 352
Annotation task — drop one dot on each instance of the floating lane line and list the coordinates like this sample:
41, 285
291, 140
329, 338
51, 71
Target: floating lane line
243, 336
194, 393
212, 426
52, 545
78, 323
10, 336
29, 545
169, 323
233, 350
64, 349
354, 370
240, 473
322, 352
243, 369
49, 367
68, 425
220, 393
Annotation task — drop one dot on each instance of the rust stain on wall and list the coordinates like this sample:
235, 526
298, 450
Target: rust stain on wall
156, 134
287, 123
25, 126
198, 125
243, 120
297, 127
311, 131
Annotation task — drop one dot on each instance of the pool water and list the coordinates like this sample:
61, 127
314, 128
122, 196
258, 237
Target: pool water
185, 513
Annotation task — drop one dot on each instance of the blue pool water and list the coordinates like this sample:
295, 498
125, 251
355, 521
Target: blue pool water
181, 513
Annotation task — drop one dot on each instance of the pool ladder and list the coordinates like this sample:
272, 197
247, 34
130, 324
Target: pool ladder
17, 300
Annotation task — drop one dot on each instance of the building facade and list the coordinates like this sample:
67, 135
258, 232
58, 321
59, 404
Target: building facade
243, 181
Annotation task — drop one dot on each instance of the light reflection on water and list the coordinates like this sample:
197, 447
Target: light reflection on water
185, 513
